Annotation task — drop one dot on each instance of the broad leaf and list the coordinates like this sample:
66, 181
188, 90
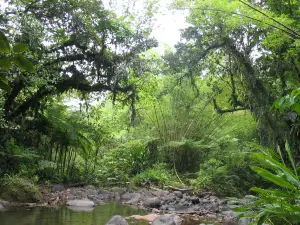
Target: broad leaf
24, 64
4, 43
273, 178
5, 63
4, 84
20, 47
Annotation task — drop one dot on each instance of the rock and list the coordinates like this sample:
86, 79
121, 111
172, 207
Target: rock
194, 200
244, 221
4, 203
120, 191
131, 198
160, 193
117, 220
80, 203
152, 202
81, 209
58, 188
91, 192
178, 194
223, 202
167, 219
168, 198
149, 217
92, 187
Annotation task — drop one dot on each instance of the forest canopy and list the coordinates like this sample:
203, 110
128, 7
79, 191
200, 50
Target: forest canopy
207, 113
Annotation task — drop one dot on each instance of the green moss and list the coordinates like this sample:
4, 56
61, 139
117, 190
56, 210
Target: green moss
17, 189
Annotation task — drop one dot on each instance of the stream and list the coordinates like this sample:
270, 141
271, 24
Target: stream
65, 216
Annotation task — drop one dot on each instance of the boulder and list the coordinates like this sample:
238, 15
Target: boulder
178, 194
152, 202
149, 217
194, 200
58, 188
80, 203
117, 220
4, 203
167, 219
81, 209
168, 198
131, 198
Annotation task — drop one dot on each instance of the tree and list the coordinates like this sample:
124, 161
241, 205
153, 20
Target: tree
253, 47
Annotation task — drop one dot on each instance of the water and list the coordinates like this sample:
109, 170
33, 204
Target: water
64, 216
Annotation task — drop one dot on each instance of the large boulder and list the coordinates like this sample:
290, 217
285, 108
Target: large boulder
117, 220
80, 203
167, 219
131, 198
58, 188
152, 202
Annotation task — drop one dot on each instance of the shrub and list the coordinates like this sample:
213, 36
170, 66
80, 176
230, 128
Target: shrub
158, 174
15, 188
123, 162
280, 204
224, 178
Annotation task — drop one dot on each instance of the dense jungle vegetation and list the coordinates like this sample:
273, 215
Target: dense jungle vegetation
219, 112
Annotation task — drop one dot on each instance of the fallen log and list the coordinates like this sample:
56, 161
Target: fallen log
183, 190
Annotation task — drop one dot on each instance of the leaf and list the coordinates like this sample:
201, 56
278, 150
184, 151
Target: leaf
273, 178
24, 64
4, 84
4, 43
5, 63
20, 47
276, 166
287, 148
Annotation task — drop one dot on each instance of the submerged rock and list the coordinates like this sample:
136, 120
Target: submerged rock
167, 219
149, 217
117, 220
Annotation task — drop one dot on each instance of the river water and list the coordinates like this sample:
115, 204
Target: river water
64, 216
100, 215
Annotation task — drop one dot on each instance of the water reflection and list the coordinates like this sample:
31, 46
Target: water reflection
64, 216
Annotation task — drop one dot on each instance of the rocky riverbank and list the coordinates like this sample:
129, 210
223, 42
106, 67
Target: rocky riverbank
158, 202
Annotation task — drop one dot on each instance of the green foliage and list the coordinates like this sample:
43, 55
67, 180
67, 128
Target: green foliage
19, 189
126, 160
279, 204
159, 174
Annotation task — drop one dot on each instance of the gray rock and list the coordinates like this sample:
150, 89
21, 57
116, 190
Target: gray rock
160, 193
178, 194
131, 198
81, 209
92, 187
167, 219
244, 221
194, 200
4, 203
58, 188
117, 220
223, 202
121, 191
168, 198
152, 202
91, 192
80, 203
